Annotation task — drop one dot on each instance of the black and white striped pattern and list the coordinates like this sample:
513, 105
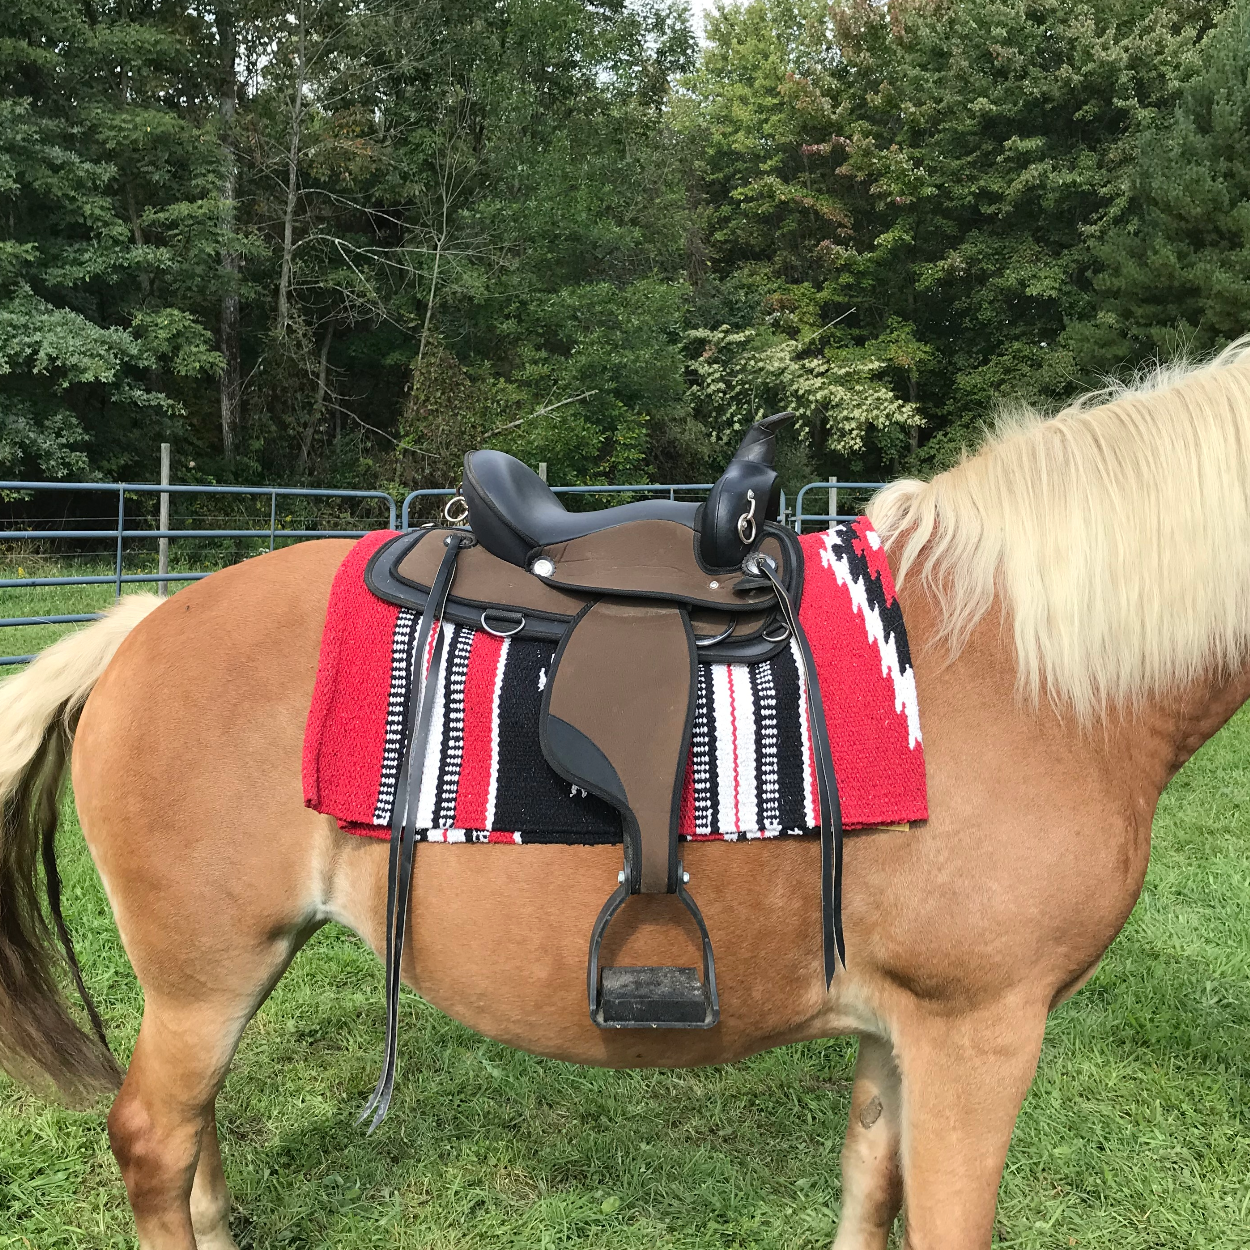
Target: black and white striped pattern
396, 710
766, 718
701, 754
455, 670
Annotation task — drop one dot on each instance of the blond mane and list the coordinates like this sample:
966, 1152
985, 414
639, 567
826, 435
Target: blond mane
1115, 536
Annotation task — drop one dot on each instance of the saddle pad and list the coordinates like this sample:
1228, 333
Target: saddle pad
750, 772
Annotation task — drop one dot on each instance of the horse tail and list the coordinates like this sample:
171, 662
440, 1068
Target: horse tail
39, 710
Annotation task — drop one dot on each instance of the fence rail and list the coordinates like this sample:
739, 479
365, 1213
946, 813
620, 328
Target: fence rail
135, 528
831, 516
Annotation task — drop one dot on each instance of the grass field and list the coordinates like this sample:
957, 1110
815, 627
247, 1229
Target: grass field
1136, 1133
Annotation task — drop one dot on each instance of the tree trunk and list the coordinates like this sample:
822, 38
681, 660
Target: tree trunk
429, 303
292, 183
913, 395
231, 373
320, 406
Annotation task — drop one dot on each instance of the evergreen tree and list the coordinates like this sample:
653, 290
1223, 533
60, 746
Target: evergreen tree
934, 176
1175, 271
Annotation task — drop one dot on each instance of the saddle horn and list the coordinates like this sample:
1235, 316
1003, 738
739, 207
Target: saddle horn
759, 443
749, 491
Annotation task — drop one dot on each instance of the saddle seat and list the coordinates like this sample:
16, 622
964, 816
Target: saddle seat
514, 511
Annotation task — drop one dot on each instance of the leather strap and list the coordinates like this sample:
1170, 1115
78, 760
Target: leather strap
406, 803
833, 944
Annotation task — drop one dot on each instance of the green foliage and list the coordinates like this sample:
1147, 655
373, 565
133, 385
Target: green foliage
98, 349
948, 168
743, 375
568, 231
1175, 269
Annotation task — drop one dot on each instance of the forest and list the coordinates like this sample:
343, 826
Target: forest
339, 242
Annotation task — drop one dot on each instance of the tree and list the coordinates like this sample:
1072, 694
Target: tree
1175, 269
344, 240
228, 334
96, 345
944, 170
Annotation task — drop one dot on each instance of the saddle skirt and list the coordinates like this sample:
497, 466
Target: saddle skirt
749, 773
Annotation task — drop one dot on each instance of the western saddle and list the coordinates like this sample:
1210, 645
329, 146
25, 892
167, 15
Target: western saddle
635, 597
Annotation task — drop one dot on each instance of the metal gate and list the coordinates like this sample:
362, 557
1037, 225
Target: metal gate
134, 535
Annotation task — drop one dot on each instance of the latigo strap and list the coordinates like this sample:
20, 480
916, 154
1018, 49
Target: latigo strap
833, 944
403, 832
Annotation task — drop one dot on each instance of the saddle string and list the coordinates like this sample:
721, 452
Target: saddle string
403, 832
833, 943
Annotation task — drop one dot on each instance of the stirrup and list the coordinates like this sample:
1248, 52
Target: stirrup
661, 997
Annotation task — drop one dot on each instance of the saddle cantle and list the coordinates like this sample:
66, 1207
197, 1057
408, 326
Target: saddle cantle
634, 596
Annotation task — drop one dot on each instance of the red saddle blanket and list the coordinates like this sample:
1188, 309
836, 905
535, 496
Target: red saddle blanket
750, 772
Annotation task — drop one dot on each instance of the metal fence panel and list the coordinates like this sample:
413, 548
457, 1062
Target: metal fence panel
836, 489
127, 529
130, 528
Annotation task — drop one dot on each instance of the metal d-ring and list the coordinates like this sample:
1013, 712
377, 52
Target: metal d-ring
714, 638
502, 633
781, 637
461, 514
746, 522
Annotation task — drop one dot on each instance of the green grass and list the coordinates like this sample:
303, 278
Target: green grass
1136, 1132
28, 601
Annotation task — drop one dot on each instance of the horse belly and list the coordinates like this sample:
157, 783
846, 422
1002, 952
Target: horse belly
187, 772
499, 937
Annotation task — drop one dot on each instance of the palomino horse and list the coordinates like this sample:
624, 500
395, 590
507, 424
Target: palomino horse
1078, 604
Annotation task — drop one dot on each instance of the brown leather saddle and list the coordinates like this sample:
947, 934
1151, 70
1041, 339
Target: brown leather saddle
634, 596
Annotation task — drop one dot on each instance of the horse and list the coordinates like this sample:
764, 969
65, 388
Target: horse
1078, 606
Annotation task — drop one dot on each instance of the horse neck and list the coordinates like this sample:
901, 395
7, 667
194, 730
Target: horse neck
1133, 752
1160, 736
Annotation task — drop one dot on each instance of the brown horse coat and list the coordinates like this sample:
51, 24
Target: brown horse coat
961, 932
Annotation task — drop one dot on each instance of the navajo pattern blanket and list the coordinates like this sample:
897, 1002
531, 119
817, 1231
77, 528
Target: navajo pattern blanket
750, 773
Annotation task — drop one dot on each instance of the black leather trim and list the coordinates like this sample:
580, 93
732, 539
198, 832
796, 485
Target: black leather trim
383, 581
500, 536
581, 761
720, 544
683, 756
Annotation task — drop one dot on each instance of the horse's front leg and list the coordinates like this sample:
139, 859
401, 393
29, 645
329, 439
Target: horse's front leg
964, 1078
872, 1180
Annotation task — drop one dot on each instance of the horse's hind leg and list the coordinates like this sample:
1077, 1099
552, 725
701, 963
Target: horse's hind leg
162, 1127
872, 1179
210, 1195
